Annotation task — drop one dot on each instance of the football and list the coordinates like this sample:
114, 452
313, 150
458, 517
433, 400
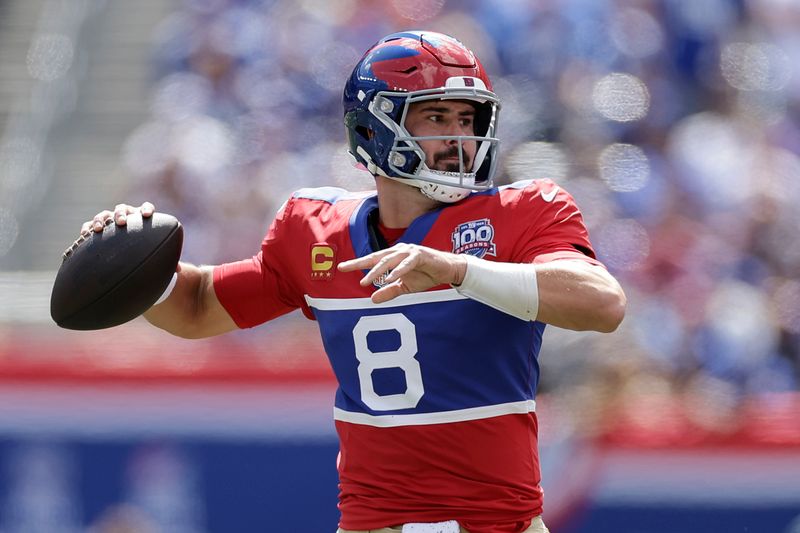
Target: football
109, 278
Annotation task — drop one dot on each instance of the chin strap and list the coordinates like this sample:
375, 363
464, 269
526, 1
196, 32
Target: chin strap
447, 194
443, 193
435, 191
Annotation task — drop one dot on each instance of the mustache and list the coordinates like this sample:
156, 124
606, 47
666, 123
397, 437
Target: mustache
451, 152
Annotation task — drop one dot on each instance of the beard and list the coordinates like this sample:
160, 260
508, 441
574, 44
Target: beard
450, 166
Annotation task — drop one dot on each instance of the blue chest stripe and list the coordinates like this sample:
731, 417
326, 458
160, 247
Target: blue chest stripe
427, 358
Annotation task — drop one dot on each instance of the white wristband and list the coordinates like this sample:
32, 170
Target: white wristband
168, 290
508, 287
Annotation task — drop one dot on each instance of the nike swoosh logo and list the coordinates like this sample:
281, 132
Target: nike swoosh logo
548, 196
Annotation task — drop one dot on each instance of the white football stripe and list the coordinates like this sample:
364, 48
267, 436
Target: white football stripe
338, 304
444, 417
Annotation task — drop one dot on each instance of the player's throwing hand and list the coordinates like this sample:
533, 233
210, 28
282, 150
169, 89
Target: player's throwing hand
119, 215
406, 268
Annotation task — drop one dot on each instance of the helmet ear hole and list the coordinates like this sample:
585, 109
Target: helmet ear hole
364, 132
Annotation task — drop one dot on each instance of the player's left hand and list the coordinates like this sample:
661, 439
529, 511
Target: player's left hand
407, 268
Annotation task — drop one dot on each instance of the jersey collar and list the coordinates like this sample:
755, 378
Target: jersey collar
360, 232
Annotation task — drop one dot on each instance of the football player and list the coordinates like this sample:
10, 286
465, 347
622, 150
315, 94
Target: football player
431, 293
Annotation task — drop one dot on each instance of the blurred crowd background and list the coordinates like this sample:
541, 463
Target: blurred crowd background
674, 123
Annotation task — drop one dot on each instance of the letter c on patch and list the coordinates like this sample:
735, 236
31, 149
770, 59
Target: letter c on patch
321, 258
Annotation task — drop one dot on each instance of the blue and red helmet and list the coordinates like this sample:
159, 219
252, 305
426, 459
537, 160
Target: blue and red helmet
408, 67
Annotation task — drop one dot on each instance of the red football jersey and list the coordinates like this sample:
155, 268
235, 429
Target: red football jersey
435, 408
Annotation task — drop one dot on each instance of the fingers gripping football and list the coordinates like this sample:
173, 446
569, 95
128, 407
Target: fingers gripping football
111, 276
118, 215
406, 268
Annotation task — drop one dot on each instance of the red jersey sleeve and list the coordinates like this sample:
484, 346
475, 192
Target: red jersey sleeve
258, 289
556, 226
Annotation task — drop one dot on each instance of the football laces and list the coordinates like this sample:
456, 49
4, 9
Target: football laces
80, 240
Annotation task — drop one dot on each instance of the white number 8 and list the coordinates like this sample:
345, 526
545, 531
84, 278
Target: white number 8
402, 358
